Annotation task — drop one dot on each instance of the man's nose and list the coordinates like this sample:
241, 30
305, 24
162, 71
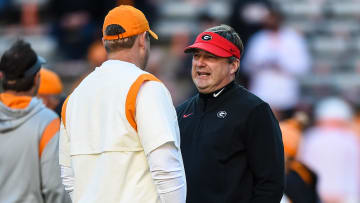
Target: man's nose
199, 62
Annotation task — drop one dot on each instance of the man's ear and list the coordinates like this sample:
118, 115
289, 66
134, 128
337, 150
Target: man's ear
37, 78
142, 39
235, 65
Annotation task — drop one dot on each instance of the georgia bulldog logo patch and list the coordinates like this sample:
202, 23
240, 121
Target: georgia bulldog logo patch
206, 37
221, 114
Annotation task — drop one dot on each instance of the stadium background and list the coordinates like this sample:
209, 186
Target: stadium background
68, 32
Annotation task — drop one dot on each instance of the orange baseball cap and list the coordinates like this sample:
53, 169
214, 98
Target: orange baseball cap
50, 82
132, 20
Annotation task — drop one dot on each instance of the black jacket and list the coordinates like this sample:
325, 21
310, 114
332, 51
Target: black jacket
232, 148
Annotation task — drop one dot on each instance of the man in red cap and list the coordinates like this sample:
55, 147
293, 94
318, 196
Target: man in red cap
230, 140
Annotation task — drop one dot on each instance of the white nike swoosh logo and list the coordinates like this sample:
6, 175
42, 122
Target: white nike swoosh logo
217, 94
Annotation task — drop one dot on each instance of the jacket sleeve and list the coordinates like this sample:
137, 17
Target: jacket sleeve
67, 174
52, 188
265, 155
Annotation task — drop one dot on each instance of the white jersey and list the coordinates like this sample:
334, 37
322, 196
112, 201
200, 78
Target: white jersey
104, 143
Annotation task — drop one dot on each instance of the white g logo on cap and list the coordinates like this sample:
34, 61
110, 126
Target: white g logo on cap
206, 37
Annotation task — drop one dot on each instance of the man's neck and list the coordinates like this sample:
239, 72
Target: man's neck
126, 56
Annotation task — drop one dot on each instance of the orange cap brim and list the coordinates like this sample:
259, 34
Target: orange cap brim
113, 37
153, 34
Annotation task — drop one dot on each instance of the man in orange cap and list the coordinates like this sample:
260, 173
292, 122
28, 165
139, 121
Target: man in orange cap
119, 133
50, 90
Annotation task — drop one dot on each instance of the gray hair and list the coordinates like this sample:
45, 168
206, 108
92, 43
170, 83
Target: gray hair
230, 34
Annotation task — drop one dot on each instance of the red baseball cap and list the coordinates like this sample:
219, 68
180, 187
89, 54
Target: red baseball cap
215, 44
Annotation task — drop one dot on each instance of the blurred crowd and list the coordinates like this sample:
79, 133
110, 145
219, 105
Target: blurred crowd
320, 132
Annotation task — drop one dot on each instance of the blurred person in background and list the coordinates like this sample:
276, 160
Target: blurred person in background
247, 17
276, 56
22, 12
331, 148
301, 181
28, 133
119, 136
230, 139
50, 90
76, 24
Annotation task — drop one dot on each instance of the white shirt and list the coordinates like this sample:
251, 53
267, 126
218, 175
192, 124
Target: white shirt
334, 154
102, 147
274, 60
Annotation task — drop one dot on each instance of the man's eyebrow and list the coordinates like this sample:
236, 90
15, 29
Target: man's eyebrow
210, 54
205, 53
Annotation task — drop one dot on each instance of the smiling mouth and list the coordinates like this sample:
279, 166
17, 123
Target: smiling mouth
204, 74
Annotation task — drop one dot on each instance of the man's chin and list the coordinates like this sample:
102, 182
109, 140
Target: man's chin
203, 90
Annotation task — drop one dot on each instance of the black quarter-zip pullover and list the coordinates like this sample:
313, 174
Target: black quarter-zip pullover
232, 148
